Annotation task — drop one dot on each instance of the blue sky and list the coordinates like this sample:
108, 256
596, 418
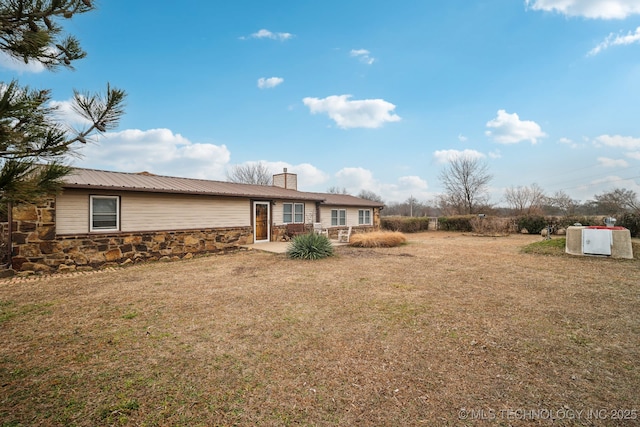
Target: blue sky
372, 95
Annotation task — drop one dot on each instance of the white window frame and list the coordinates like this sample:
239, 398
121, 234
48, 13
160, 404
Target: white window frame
297, 217
298, 214
104, 229
340, 217
364, 217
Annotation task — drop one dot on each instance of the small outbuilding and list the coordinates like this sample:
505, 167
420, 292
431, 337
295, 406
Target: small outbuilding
599, 241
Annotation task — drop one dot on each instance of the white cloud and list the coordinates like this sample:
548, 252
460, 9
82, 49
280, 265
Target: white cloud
363, 55
495, 154
633, 155
594, 9
66, 113
353, 179
308, 175
366, 113
445, 156
462, 138
406, 186
413, 181
570, 142
626, 142
158, 151
613, 181
612, 163
14, 64
509, 129
616, 40
358, 179
266, 34
266, 83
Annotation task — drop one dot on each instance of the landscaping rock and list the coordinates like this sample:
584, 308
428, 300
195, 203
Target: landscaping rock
7, 272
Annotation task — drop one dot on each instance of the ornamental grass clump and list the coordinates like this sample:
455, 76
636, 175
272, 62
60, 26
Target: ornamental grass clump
378, 239
310, 246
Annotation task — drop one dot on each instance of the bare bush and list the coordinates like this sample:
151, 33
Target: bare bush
378, 239
493, 226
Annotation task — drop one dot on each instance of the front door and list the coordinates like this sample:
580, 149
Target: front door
261, 222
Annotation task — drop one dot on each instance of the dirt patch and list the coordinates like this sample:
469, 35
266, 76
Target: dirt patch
449, 329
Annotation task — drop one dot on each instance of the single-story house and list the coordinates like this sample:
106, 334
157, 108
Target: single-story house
104, 217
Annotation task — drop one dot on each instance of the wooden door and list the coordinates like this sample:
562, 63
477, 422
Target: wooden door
261, 221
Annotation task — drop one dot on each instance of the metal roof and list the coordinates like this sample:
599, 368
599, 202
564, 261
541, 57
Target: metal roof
147, 182
346, 200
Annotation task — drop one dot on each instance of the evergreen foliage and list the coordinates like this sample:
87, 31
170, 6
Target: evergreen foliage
34, 143
632, 222
456, 223
310, 246
405, 224
532, 223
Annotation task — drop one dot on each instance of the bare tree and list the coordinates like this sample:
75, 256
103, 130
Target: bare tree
250, 173
337, 190
562, 201
525, 200
617, 201
465, 182
370, 195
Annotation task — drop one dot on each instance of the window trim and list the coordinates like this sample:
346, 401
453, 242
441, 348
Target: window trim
338, 217
293, 213
364, 219
101, 229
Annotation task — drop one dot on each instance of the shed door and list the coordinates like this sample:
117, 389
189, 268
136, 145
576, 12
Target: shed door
596, 241
261, 221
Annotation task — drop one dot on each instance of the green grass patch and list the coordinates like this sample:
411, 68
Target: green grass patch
119, 411
547, 247
8, 310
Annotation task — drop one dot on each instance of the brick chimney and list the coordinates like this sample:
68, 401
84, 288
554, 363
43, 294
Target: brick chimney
286, 180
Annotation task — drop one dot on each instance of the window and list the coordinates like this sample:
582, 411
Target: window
105, 213
293, 213
364, 217
298, 210
338, 217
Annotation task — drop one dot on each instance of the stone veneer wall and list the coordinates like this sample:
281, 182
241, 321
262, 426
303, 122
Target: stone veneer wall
36, 247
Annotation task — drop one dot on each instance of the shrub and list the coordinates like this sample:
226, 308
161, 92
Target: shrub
532, 223
310, 246
378, 239
567, 221
455, 223
632, 222
492, 225
405, 224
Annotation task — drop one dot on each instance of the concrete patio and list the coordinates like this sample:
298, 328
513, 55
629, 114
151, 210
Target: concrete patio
279, 247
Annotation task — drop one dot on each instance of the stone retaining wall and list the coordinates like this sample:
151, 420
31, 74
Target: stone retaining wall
36, 247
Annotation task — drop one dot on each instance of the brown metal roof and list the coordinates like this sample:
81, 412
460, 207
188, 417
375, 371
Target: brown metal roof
124, 181
346, 200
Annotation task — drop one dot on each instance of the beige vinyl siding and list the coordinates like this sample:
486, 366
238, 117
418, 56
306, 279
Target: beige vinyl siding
309, 211
352, 216
153, 211
72, 212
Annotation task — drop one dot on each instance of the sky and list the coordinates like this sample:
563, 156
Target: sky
364, 95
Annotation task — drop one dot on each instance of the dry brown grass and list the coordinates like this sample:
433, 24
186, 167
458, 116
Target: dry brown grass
378, 239
400, 336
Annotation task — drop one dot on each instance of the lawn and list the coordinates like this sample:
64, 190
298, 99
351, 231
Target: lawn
447, 330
